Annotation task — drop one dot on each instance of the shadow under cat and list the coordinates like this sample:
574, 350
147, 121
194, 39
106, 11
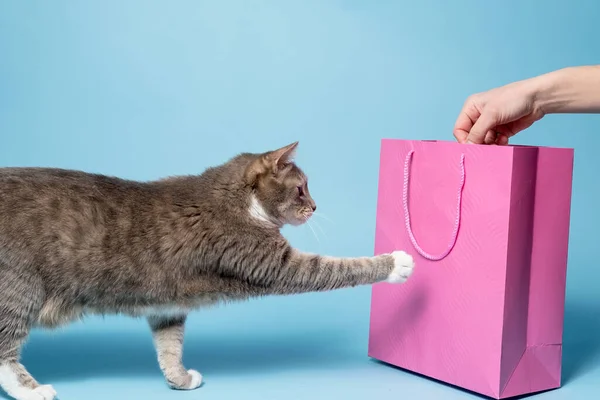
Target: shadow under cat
77, 356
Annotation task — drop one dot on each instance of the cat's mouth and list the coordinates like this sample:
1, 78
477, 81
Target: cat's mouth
302, 218
305, 216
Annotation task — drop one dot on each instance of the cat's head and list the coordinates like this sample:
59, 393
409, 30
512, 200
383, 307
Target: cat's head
279, 188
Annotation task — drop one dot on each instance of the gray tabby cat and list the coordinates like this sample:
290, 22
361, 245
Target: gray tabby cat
74, 243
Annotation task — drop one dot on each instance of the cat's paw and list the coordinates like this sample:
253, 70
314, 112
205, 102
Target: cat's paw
191, 381
403, 267
196, 379
42, 392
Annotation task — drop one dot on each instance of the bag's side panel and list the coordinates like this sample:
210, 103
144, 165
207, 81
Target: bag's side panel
550, 246
520, 232
540, 368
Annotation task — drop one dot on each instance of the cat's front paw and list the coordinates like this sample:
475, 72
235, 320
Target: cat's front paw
403, 267
42, 392
196, 379
191, 381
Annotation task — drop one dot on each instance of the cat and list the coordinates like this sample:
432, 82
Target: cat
74, 243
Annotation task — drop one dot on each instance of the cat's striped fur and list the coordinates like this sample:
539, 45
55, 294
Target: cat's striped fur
74, 243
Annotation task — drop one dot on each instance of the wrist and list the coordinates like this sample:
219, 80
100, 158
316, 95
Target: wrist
568, 90
546, 92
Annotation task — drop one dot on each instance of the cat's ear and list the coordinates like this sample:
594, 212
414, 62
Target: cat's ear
280, 157
270, 162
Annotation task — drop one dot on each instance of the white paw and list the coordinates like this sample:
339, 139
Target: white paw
47, 391
403, 267
196, 379
42, 392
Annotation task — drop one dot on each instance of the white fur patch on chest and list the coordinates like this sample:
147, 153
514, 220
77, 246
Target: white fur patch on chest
257, 211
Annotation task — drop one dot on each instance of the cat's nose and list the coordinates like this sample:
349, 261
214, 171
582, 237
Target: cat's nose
313, 205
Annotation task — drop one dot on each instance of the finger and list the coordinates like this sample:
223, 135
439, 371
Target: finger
466, 118
490, 137
480, 128
504, 134
462, 127
502, 140
460, 135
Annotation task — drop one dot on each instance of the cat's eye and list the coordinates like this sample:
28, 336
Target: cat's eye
300, 191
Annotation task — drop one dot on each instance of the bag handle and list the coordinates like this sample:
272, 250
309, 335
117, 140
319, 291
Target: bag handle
407, 213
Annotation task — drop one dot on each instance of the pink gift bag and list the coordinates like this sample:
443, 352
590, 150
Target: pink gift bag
489, 229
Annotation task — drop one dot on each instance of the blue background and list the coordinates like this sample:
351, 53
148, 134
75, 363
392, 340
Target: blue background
144, 89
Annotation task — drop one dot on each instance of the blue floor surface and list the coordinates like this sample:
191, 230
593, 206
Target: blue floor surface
266, 360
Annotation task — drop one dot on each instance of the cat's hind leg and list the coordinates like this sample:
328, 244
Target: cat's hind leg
167, 333
20, 299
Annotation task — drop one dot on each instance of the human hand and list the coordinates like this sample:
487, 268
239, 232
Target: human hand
494, 116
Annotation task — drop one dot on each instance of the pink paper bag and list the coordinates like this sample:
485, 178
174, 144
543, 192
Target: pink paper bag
489, 229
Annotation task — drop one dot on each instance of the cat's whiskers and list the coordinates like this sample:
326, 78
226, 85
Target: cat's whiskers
319, 228
320, 215
313, 231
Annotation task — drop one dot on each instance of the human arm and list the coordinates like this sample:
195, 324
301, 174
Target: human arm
494, 116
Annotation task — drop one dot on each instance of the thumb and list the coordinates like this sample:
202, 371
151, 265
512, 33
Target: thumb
484, 123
